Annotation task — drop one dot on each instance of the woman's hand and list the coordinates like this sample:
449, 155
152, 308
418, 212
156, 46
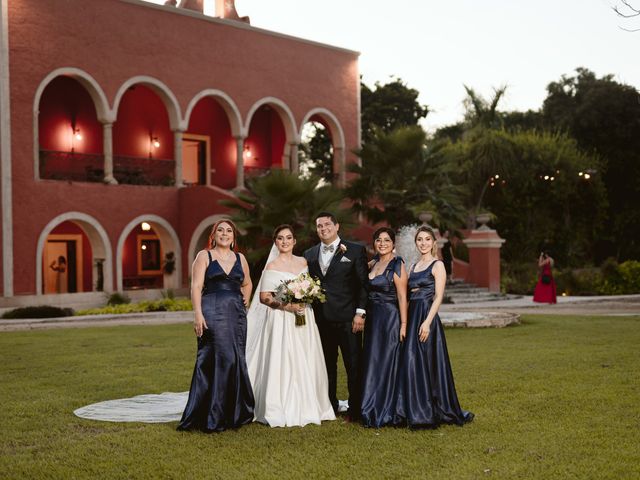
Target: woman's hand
423, 334
403, 331
199, 325
295, 308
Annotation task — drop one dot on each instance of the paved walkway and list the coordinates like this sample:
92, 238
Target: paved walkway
623, 305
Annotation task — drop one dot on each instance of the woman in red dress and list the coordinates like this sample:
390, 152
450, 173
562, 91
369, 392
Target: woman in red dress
545, 291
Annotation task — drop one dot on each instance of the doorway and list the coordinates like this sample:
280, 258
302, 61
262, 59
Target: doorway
62, 264
195, 159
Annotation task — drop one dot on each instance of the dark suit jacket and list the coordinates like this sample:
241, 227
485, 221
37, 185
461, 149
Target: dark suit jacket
345, 282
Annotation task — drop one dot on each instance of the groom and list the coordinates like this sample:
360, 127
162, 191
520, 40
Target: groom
342, 269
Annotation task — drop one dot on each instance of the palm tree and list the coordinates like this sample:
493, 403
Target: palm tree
282, 197
398, 173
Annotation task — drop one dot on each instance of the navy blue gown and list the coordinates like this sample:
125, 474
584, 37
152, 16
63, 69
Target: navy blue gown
220, 396
427, 394
381, 352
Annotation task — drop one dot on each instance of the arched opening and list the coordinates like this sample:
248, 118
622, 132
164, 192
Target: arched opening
148, 255
143, 142
264, 147
315, 152
322, 148
86, 263
208, 146
69, 134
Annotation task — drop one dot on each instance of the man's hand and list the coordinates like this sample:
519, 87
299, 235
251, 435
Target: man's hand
358, 323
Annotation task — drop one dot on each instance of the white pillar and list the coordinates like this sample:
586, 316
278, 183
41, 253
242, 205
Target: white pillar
293, 155
340, 162
5, 155
177, 155
239, 162
107, 147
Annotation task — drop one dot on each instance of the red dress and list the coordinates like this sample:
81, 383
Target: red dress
545, 292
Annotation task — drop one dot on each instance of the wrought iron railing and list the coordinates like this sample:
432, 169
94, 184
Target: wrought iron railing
144, 171
86, 167
79, 167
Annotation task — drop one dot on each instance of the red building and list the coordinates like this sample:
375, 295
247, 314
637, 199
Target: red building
122, 123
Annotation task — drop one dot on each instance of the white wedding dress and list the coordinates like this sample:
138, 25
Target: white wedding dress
286, 363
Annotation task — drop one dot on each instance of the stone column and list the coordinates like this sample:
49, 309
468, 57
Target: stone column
177, 155
239, 162
484, 258
293, 155
107, 147
339, 161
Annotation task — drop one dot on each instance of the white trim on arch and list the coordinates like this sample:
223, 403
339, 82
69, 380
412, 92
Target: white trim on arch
199, 230
166, 234
96, 233
337, 133
227, 103
98, 96
164, 92
288, 120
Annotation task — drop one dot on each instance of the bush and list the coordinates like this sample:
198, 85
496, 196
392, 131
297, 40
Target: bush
42, 311
518, 278
625, 279
118, 299
164, 305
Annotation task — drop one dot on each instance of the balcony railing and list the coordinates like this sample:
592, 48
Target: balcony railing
78, 167
144, 171
86, 167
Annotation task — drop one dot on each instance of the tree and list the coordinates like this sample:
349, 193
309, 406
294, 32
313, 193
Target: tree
315, 153
281, 197
626, 11
481, 112
399, 174
388, 107
604, 117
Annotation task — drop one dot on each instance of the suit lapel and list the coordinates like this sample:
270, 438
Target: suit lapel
314, 262
336, 258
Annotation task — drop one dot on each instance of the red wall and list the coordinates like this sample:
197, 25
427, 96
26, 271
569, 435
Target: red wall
113, 41
209, 118
87, 254
266, 139
141, 116
63, 102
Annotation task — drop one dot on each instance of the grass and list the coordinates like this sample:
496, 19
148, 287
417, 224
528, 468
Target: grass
554, 398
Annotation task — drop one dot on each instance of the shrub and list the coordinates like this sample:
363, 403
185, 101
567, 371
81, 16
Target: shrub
625, 279
42, 311
164, 305
117, 298
518, 278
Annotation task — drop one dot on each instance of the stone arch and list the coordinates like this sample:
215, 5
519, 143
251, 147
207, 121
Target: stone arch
98, 96
168, 239
286, 116
337, 136
166, 95
100, 245
227, 103
200, 230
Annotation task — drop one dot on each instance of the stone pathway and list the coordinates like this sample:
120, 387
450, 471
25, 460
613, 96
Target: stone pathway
497, 313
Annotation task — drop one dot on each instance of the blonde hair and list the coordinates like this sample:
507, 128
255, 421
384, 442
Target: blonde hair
429, 230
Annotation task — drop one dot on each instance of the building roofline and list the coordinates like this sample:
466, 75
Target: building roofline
235, 24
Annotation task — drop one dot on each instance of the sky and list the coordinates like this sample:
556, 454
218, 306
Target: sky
437, 47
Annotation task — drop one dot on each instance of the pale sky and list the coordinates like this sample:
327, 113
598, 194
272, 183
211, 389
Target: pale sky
437, 46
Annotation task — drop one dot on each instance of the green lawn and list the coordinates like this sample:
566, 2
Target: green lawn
557, 397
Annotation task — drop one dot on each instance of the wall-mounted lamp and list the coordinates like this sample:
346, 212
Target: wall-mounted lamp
76, 136
143, 247
246, 154
145, 226
155, 142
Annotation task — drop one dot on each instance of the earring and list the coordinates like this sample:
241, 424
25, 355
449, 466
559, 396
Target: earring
233, 245
213, 244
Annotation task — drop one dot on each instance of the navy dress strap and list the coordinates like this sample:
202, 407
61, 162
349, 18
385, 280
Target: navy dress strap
210, 258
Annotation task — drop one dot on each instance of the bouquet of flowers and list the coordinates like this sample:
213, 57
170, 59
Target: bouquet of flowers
302, 289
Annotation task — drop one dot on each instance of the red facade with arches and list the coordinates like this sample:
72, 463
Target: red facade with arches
123, 114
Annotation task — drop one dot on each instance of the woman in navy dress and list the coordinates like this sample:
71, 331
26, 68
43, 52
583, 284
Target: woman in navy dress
385, 329
427, 393
220, 396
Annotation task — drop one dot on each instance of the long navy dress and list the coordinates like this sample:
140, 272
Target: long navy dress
427, 393
220, 396
381, 353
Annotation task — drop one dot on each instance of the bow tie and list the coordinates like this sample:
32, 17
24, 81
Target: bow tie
327, 248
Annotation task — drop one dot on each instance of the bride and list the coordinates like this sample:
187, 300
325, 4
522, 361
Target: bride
286, 364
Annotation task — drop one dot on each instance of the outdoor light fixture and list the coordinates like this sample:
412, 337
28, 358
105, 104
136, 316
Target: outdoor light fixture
155, 142
247, 152
77, 134
143, 247
145, 226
